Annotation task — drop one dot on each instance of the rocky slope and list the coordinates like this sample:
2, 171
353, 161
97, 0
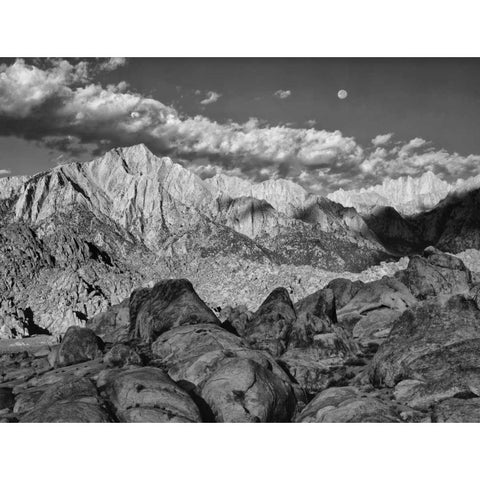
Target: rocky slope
453, 225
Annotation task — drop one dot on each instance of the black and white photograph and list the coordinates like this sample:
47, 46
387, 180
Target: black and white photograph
211, 238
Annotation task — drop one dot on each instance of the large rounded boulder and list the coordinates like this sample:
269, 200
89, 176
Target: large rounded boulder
371, 312
148, 395
78, 345
194, 354
242, 390
169, 304
435, 273
72, 401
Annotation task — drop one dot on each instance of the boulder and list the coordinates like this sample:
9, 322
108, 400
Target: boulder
169, 304
192, 353
318, 347
474, 294
344, 290
147, 394
113, 324
432, 353
27, 399
120, 355
242, 390
457, 410
374, 327
235, 319
270, 325
73, 401
322, 303
435, 273
7, 399
352, 405
371, 312
68, 412
78, 345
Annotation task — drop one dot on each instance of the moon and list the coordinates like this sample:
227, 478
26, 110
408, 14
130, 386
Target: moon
342, 94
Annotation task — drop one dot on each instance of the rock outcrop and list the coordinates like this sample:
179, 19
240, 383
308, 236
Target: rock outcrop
436, 273
147, 394
457, 410
270, 326
371, 312
352, 405
242, 390
78, 345
169, 304
319, 349
74, 401
432, 352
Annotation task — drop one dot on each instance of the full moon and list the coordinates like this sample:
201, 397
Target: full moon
342, 94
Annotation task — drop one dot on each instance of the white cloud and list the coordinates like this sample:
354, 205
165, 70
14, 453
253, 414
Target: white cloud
282, 94
382, 139
413, 144
310, 123
211, 97
4, 171
113, 63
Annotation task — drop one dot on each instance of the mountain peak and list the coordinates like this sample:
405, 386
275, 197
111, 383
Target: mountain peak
284, 195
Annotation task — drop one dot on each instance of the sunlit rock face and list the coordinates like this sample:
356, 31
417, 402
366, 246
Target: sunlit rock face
10, 186
147, 195
283, 195
407, 195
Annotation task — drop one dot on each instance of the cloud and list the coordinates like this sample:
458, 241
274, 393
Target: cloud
310, 123
5, 172
282, 94
58, 104
382, 139
413, 144
211, 97
113, 63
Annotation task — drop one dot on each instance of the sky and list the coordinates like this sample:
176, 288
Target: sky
255, 118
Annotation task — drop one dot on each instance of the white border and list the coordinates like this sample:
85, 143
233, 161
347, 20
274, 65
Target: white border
247, 28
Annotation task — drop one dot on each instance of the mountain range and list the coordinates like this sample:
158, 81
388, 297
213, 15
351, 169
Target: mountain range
78, 238
408, 195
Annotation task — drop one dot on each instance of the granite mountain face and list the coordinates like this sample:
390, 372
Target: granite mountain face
133, 216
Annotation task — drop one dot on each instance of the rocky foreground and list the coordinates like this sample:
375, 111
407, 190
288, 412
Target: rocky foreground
400, 349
